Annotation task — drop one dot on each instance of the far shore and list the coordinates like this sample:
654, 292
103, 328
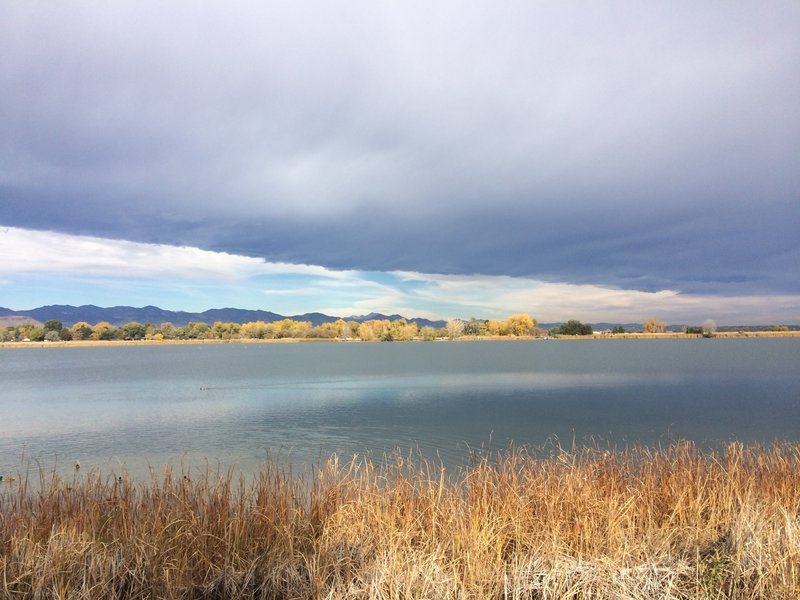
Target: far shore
595, 336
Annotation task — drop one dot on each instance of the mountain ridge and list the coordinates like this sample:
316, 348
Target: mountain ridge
119, 315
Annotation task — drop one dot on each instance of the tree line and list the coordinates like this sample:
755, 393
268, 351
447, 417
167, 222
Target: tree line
518, 325
372, 330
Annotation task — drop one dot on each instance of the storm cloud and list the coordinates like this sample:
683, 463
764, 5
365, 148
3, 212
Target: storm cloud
644, 146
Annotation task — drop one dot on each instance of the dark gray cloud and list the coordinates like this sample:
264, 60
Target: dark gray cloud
647, 146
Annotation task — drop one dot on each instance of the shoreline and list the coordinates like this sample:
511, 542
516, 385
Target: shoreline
596, 336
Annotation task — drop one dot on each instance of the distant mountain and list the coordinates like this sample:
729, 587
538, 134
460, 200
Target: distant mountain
314, 318
119, 315
235, 315
381, 317
16, 321
596, 326
116, 315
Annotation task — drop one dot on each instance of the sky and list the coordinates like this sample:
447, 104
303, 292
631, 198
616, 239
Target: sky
604, 161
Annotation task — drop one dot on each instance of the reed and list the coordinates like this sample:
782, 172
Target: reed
671, 522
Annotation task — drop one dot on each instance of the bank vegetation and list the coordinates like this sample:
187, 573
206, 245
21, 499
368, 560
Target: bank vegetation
371, 330
639, 523
518, 326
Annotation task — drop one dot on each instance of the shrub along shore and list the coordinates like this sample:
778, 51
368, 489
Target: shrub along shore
463, 338
673, 522
519, 326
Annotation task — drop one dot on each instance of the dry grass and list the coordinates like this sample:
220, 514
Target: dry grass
586, 523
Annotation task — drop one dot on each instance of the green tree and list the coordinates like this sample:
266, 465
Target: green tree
573, 327
52, 330
169, 331
53, 325
37, 334
81, 331
103, 331
473, 327
196, 330
133, 331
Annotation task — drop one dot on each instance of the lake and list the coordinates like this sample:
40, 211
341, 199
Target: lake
134, 407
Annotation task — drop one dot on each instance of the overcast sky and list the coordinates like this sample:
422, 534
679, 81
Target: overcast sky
593, 160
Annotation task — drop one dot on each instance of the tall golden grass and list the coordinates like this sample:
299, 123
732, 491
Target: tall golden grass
673, 522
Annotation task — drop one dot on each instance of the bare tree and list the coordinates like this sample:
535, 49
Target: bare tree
709, 327
654, 326
455, 328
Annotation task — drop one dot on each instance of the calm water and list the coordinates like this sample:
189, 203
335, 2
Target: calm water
130, 407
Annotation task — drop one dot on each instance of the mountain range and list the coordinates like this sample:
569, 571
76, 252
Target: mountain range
119, 315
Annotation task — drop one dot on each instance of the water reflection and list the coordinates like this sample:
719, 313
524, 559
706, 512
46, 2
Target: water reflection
137, 408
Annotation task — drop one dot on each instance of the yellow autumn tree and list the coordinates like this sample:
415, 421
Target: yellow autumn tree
520, 324
256, 330
365, 332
